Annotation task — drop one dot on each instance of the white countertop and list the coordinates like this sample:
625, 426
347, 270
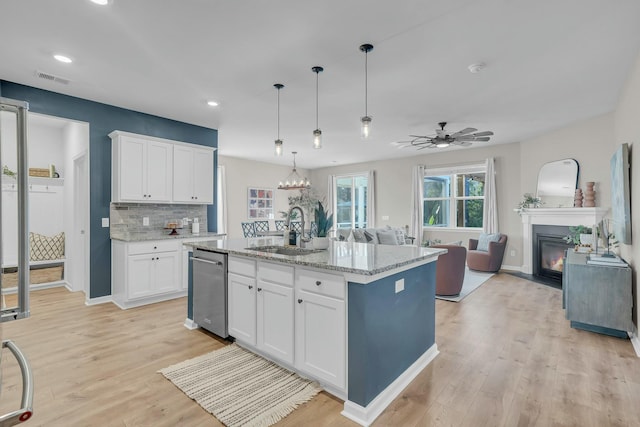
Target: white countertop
162, 235
349, 257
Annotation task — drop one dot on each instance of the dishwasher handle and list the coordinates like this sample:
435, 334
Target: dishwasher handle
219, 263
24, 413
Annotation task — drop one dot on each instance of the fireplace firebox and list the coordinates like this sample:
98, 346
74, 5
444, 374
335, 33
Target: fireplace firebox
548, 251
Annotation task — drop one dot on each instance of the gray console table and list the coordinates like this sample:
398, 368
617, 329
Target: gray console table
597, 298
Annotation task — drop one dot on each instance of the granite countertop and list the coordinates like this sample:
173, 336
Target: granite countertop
349, 257
162, 235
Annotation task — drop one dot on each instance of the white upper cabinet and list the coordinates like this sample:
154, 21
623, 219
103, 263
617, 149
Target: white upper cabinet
155, 170
192, 175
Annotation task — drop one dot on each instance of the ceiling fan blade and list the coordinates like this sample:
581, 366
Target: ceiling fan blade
465, 144
485, 133
463, 132
482, 139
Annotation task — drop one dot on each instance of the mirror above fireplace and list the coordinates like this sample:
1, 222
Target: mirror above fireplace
557, 183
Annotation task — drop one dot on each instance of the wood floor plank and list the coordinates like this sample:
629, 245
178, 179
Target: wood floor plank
508, 357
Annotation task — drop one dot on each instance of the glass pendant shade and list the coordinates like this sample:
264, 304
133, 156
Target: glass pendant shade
278, 149
366, 124
317, 138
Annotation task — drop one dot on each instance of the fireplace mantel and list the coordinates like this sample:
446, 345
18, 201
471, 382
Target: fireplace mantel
553, 216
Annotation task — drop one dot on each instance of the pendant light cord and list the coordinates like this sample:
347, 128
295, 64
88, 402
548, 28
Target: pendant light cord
278, 114
317, 99
366, 82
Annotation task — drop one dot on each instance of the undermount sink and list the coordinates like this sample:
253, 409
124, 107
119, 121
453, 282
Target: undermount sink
284, 250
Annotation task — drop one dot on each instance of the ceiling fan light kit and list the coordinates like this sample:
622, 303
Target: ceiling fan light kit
365, 121
442, 139
278, 141
317, 133
477, 67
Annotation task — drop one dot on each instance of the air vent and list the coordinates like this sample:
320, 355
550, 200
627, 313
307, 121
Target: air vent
52, 78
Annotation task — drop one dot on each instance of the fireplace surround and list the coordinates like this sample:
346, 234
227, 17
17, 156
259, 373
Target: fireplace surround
553, 216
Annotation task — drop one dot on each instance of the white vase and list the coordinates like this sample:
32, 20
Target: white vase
586, 239
320, 242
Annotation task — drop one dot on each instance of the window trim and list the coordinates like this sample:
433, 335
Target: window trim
335, 192
453, 198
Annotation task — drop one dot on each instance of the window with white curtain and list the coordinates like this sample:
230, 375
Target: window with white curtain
350, 193
454, 196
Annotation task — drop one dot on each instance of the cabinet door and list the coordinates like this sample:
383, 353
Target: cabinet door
132, 169
166, 272
275, 320
183, 174
320, 337
140, 275
242, 308
203, 176
159, 171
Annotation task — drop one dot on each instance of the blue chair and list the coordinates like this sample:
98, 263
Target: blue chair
280, 224
295, 226
249, 229
261, 225
314, 230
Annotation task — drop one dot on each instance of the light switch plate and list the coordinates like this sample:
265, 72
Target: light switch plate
105, 222
399, 285
145, 220
385, 217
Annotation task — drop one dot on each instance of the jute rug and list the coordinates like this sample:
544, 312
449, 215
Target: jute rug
240, 388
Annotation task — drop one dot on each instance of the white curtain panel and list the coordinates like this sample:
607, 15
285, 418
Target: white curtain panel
417, 208
222, 201
331, 198
490, 212
371, 200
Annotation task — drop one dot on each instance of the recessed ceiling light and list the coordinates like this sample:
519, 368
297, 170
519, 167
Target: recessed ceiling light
63, 58
212, 103
101, 2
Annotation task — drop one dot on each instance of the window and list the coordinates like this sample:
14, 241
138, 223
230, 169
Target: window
351, 201
454, 197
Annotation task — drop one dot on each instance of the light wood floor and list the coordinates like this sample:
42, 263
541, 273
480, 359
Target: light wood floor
507, 358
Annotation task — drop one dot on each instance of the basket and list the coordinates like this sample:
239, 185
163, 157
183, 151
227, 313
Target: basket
42, 172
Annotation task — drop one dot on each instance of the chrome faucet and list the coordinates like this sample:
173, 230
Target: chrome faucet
303, 240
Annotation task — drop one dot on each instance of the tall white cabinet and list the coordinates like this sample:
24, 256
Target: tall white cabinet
192, 175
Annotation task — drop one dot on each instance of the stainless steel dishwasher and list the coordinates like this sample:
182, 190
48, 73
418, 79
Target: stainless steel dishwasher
210, 291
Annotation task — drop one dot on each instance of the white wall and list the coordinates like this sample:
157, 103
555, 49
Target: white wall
242, 174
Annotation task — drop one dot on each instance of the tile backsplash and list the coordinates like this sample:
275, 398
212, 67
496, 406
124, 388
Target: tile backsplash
127, 217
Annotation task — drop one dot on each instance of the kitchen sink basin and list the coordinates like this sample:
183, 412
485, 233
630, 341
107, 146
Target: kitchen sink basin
284, 250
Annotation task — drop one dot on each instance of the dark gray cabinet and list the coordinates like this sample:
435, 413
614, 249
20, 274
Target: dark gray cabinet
597, 298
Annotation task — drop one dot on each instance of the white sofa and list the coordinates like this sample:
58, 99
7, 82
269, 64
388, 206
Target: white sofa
376, 236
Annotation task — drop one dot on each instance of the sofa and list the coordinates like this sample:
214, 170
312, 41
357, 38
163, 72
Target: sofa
376, 236
450, 269
489, 259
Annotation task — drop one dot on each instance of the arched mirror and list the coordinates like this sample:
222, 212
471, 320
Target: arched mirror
557, 183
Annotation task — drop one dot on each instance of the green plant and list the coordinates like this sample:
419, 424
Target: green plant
528, 200
323, 221
575, 232
8, 172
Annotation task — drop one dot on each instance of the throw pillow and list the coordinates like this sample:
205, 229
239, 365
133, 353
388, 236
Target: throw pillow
46, 248
400, 235
371, 236
358, 236
343, 234
387, 237
484, 239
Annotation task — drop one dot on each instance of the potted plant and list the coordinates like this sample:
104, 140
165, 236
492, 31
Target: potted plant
529, 201
579, 235
324, 222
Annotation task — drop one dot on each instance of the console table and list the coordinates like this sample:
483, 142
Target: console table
597, 298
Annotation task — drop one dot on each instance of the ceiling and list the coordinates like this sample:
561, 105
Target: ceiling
548, 63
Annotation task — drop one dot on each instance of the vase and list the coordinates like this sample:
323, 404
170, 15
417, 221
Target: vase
320, 242
589, 195
586, 239
577, 199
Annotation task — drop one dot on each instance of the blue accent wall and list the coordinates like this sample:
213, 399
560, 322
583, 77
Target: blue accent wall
388, 332
103, 119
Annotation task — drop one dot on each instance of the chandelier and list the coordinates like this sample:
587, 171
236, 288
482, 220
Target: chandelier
294, 181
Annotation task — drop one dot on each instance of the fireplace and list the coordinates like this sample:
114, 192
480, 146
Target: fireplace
548, 251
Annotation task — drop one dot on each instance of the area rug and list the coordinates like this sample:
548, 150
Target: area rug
240, 388
472, 281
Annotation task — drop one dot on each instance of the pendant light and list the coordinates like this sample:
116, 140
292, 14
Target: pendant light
294, 181
317, 134
278, 142
366, 119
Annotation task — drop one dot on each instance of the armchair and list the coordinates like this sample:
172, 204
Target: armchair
450, 269
490, 260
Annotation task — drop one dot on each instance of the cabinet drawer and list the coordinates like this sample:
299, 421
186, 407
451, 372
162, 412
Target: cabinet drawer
322, 283
278, 273
153, 246
243, 266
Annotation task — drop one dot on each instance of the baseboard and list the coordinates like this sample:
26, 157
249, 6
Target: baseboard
36, 287
511, 268
367, 415
190, 324
635, 342
98, 300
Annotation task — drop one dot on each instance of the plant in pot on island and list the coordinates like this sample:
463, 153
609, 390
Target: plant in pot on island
324, 223
581, 236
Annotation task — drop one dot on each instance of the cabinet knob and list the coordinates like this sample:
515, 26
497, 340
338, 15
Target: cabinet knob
259, 289
191, 197
318, 283
250, 287
196, 197
155, 247
299, 301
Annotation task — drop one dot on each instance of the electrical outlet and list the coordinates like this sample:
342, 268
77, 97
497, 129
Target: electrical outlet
385, 217
145, 221
105, 222
399, 285
513, 252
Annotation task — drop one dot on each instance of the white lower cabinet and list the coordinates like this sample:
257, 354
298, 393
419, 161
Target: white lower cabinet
242, 308
145, 272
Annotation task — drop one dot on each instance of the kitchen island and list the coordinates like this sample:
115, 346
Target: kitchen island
358, 318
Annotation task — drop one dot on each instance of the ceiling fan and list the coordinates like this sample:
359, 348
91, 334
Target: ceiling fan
443, 139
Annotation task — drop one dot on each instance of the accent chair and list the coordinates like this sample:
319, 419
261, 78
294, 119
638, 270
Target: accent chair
450, 269
489, 260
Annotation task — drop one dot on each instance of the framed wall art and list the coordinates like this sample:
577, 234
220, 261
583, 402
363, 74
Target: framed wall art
260, 203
